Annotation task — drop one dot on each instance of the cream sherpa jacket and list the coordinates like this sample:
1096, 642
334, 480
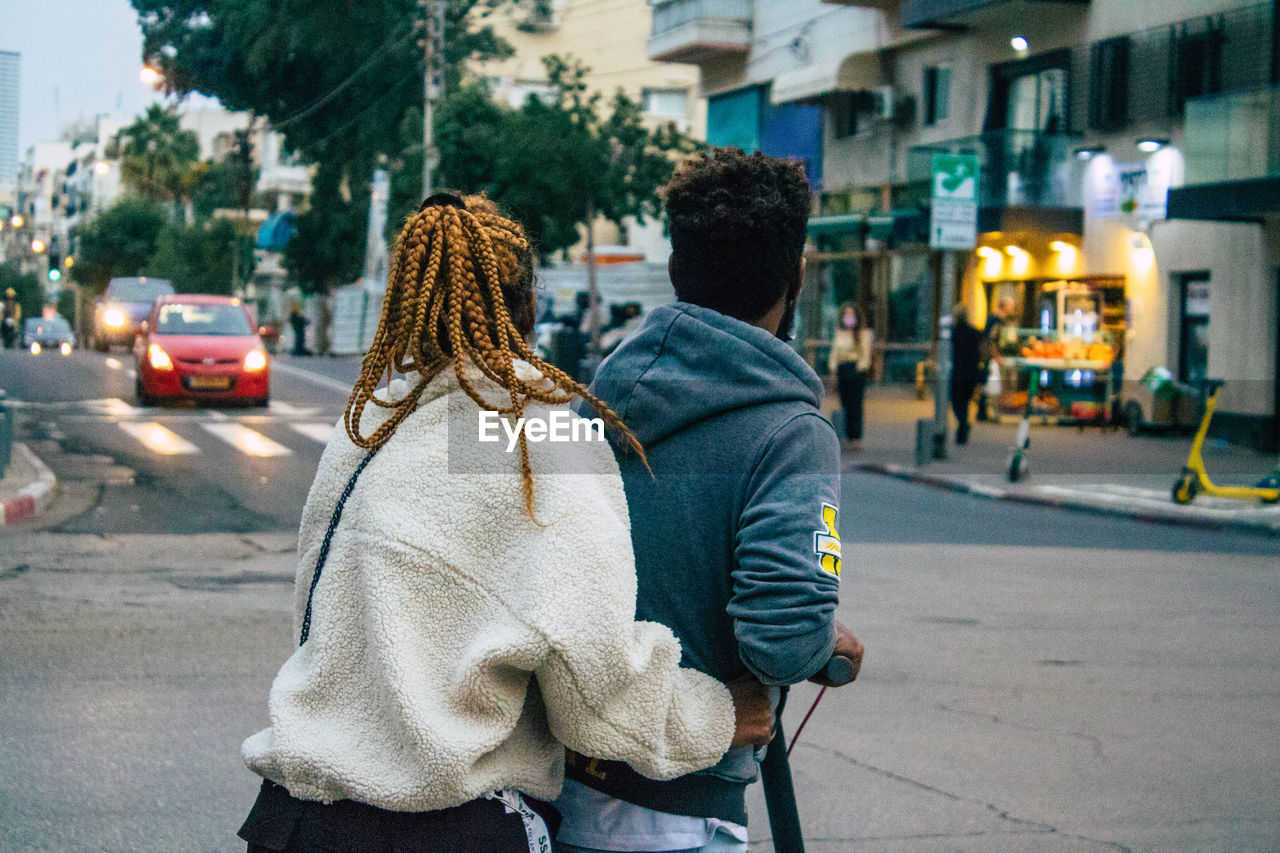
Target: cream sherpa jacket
456, 646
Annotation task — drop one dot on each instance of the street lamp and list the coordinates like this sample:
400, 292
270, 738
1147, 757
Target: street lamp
37, 245
16, 221
149, 75
101, 167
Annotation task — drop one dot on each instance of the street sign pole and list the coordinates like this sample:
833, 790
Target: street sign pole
946, 294
953, 226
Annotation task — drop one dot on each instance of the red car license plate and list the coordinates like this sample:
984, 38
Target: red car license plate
211, 383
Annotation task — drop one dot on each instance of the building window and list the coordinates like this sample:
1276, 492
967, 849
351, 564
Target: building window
1109, 84
851, 113
1195, 64
937, 93
666, 103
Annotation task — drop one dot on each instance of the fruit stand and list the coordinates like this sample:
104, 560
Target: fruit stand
1066, 380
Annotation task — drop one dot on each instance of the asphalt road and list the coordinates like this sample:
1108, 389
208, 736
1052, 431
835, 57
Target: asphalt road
1035, 679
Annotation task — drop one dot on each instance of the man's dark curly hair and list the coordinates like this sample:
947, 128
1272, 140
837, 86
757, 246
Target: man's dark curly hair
737, 230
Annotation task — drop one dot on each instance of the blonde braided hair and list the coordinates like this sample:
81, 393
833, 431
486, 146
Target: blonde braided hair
459, 266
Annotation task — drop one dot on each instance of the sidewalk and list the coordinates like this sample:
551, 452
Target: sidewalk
26, 487
1091, 469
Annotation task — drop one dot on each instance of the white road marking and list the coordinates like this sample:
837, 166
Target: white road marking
114, 363
289, 410
318, 431
246, 440
112, 406
158, 439
131, 373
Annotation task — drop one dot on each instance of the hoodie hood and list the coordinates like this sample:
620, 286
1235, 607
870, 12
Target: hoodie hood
687, 363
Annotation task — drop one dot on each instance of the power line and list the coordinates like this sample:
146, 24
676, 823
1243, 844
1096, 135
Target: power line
315, 105
354, 119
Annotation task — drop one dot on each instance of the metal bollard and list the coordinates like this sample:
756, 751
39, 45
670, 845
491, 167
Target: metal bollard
6, 434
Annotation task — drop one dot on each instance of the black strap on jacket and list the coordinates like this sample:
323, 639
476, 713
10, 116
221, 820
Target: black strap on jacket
328, 538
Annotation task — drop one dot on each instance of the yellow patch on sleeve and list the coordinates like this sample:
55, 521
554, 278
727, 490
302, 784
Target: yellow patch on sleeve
826, 542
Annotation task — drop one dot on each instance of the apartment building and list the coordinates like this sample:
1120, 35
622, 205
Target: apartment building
1129, 153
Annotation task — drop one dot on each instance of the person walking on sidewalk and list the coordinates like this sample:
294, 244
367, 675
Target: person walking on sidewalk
850, 363
966, 343
464, 613
989, 352
734, 513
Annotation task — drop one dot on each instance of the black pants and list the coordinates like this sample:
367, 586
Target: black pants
962, 388
852, 385
281, 822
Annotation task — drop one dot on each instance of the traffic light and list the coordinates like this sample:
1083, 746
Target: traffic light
55, 274
55, 264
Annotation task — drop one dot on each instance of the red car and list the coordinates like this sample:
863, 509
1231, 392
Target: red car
202, 348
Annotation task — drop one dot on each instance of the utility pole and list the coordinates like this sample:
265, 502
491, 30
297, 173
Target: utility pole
432, 22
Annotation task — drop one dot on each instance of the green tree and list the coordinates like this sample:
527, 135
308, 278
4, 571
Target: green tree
559, 163
341, 81
30, 294
157, 156
198, 258
119, 241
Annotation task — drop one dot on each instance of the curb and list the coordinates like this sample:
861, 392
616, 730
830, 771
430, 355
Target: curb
33, 498
963, 486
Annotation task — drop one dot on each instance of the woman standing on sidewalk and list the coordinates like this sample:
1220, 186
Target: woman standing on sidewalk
850, 362
459, 621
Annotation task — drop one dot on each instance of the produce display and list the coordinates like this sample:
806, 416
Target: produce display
1015, 402
1068, 349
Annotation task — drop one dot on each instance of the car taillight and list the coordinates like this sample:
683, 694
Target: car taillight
159, 358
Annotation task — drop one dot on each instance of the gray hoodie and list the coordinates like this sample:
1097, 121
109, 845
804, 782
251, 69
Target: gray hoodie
735, 533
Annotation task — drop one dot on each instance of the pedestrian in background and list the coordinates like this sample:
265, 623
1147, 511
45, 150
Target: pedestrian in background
989, 354
850, 363
299, 322
453, 610
966, 345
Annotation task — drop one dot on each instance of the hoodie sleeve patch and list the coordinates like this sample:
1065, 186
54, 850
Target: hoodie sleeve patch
826, 541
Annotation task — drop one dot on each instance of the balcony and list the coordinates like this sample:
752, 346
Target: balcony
697, 31
1233, 137
961, 14
1028, 177
1232, 149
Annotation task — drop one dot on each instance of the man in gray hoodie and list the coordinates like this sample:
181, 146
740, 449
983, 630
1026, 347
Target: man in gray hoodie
734, 530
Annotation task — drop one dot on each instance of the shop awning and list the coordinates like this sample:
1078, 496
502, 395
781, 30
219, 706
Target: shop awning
850, 73
830, 226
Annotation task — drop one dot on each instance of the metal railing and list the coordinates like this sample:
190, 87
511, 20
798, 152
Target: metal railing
1233, 137
670, 15
1020, 168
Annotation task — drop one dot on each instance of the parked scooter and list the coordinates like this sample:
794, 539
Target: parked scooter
1195, 479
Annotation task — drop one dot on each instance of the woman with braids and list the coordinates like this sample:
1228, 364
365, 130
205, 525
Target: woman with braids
464, 613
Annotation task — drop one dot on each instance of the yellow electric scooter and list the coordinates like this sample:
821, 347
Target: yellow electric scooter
1195, 479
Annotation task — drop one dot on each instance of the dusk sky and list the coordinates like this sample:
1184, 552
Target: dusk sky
79, 58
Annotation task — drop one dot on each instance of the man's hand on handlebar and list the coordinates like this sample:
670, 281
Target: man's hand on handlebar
848, 647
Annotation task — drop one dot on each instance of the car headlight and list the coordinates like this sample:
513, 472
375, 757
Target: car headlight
113, 317
35, 347
255, 360
64, 348
159, 358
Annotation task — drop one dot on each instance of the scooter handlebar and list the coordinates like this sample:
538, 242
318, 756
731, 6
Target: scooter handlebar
839, 670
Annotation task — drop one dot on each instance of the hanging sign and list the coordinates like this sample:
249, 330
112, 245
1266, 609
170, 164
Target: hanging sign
953, 215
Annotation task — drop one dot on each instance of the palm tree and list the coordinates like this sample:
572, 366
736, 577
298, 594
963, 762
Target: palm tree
157, 155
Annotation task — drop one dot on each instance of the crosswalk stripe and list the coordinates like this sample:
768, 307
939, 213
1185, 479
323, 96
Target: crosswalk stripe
112, 406
318, 431
246, 440
157, 438
114, 363
280, 407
